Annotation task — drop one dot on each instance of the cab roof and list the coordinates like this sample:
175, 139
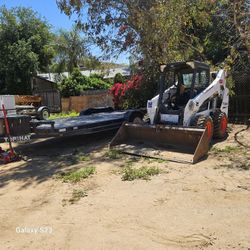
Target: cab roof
176, 66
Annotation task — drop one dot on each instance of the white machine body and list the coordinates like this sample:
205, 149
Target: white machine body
217, 90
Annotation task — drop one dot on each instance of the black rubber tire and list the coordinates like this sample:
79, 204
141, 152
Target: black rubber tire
136, 118
44, 114
200, 121
217, 118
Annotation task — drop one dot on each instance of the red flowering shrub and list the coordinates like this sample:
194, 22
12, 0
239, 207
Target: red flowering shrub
126, 95
116, 91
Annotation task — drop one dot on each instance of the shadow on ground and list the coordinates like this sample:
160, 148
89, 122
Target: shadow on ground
44, 159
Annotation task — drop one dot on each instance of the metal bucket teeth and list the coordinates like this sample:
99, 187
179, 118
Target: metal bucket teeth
164, 142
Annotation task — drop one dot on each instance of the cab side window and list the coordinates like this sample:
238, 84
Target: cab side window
201, 79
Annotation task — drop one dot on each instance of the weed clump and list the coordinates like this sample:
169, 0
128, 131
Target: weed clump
84, 158
113, 154
77, 195
227, 149
76, 176
130, 173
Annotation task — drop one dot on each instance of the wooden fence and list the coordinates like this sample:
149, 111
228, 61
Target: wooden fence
239, 104
88, 99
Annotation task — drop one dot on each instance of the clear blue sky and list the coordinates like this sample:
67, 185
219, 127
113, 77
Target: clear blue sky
49, 10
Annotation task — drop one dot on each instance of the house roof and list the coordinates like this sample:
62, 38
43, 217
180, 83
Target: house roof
44, 78
110, 73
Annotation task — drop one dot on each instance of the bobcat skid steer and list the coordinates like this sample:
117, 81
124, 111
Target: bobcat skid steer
183, 118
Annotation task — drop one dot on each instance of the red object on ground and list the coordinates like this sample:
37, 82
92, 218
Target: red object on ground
7, 128
7, 156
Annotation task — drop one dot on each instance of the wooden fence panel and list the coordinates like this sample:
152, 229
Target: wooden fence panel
88, 99
65, 104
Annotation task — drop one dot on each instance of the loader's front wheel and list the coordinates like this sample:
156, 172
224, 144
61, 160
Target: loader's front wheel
136, 118
220, 124
205, 122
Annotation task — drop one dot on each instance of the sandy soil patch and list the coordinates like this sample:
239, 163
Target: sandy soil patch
201, 206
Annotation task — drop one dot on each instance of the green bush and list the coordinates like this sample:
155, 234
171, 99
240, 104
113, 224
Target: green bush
95, 75
92, 83
109, 81
76, 83
119, 78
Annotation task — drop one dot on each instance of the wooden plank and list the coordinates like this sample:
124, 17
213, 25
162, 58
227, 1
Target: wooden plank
27, 99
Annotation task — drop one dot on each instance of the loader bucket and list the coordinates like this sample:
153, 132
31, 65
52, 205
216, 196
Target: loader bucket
180, 144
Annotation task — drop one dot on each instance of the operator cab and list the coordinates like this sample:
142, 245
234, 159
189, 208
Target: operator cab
187, 79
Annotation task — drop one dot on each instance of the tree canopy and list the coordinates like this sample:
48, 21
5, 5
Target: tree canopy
160, 30
166, 30
25, 48
70, 48
236, 16
163, 31
155, 31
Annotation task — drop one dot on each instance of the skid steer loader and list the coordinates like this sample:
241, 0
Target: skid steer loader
188, 112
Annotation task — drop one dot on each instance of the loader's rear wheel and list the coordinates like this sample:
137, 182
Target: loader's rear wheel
220, 124
205, 122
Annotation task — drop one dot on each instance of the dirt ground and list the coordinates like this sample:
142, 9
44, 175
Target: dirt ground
201, 206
